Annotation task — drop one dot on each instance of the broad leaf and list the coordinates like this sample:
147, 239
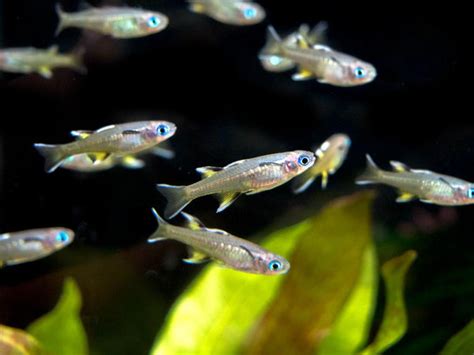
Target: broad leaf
461, 343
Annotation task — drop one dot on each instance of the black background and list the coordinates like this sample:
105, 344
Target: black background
205, 77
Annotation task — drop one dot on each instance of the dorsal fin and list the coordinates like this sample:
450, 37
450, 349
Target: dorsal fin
192, 222
105, 128
234, 164
217, 231
322, 47
53, 49
81, 134
301, 41
207, 171
399, 167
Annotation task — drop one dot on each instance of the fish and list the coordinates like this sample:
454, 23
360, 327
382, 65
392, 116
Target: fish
84, 164
277, 64
329, 158
425, 185
118, 22
120, 140
319, 62
42, 61
29, 245
214, 244
248, 176
231, 12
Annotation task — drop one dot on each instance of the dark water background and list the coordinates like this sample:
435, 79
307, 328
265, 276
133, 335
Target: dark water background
205, 77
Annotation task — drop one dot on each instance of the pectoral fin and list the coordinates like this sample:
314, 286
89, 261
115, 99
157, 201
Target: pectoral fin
196, 257
129, 161
303, 74
226, 200
405, 197
324, 179
100, 156
45, 72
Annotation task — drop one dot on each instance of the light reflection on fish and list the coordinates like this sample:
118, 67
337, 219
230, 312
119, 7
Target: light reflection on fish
41, 61
319, 62
330, 156
29, 245
428, 186
228, 250
119, 140
118, 22
249, 176
277, 64
231, 12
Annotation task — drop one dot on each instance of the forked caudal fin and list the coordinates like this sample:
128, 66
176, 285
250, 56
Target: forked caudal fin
52, 154
273, 45
62, 16
371, 173
176, 198
158, 235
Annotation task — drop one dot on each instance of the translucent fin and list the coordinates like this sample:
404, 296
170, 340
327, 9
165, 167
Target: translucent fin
163, 152
301, 184
207, 171
62, 19
427, 201
273, 45
158, 235
405, 197
98, 156
52, 154
216, 231
81, 134
45, 72
302, 74
324, 179
130, 162
176, 198
371, 173
53, 49
226, 200
106, 128
399, 167
193, 222
196, 257
302, 42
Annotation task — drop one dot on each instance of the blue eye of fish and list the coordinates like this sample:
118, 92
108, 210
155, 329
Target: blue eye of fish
162, 130
249, 13
275, 265
470, 193
62, 237
153, 22
274, 60
304, 160
359, 73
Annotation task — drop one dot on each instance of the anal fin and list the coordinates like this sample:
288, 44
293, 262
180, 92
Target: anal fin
99, 156
302, 74
405, 197
196, 257
226, 199
45, 72
324, 179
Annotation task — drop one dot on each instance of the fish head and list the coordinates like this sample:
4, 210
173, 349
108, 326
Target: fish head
271, 264
151, 22
465, 193
159, 131
57, 238
359, 72
247, 13
298, 161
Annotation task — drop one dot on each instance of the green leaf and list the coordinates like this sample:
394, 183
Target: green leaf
215, 313
17, 342
326, 265
395, 322
351, 330
462, 343
61, 331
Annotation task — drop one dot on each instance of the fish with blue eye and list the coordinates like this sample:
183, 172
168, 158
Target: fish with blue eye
118, 22
227, 250
425, 185
317, 61
121, 140
34, 244
231, 12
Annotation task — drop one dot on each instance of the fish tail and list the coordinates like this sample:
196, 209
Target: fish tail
52, 154
273, 46
370, 174
77, 60
62, 16
159, 233
176, 197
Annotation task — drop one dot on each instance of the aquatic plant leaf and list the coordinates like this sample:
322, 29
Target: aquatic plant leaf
326, 265
18, 342
351, 330
461, 343
395, 321
214, 315
60, 331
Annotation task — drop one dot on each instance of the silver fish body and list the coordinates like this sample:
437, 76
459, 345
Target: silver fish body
329, 158
41, 61
228, 250
231, 12
118, 22
247, 176
120, 140
29, 245
428, 186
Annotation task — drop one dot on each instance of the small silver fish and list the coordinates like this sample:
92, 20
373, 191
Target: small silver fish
230, 251
330, 156
29, 245
425, 185
231, 12
120, 140
41, 61
118, 22
277, 64
249, 176
320, 62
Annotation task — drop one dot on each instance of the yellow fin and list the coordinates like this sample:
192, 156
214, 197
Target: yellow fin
129, 161
45, 72
192, 222
302, 74
324, 179
196, 257
405, 197
399, 167
207, 171
226, 200
302, 42
197, 7
99, 156
81, 134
